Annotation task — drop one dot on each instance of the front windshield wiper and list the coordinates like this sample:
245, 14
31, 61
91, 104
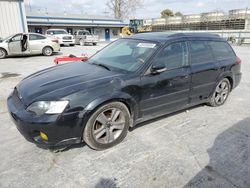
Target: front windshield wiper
101, 65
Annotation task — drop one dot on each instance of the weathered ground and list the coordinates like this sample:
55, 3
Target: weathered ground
201, 147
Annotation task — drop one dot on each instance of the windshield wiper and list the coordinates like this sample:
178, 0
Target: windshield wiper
101, 65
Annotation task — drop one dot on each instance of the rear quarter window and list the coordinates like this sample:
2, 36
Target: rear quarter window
221, 50
200, 52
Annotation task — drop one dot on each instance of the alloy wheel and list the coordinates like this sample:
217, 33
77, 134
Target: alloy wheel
108, 126
2, 53
48, 51
221, 92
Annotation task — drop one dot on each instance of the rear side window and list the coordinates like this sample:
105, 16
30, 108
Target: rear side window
221, 50
36, 37
200, 52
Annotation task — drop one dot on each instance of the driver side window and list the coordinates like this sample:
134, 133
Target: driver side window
16, 38
173, 56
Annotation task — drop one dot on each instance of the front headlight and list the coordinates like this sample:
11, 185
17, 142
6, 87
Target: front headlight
48, 107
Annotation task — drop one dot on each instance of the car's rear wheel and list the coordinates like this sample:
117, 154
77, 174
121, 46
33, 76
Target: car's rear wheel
94, 43
3, 53
221, 93
81, 42
47, 51
107, 126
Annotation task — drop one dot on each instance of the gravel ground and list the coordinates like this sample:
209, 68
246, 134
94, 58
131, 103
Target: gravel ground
199, 147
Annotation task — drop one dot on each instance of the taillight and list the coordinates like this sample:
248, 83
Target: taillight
238, 61
55, 40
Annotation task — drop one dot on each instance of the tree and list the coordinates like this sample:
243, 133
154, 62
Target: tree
167, 13
178, 14
124, 8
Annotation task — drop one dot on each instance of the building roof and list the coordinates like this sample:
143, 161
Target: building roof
69, 16
164, 36
36, 18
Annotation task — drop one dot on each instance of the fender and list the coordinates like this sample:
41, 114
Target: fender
127, 99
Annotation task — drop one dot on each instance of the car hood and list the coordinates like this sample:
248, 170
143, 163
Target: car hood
63, 35
62, 80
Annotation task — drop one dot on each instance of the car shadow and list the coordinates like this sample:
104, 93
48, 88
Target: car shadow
32, 55
229, 160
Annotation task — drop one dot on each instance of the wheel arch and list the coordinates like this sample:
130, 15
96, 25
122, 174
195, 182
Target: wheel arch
229, 76
7, 53
126, 99
49, 47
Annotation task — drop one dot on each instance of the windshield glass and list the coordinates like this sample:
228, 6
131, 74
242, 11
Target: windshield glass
56, 32
6, 38
125, 54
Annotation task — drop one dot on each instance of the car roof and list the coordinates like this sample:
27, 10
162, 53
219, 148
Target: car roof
165, 36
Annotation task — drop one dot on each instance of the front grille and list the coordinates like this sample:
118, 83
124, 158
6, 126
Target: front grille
67, 38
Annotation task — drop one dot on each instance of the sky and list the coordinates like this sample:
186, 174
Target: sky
150, 8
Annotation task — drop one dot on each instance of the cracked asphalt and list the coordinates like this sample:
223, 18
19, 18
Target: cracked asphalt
198, 147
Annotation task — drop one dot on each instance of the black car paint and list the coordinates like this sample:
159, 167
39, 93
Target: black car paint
88, 86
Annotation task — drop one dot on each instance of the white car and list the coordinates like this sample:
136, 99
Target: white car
62, 35
28, 44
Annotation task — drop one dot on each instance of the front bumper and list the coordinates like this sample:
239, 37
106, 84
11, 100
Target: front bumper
63, 129
66, 42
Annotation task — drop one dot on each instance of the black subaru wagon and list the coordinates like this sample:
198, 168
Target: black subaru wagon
129, 81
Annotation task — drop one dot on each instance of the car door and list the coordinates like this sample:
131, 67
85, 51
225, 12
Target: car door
204, 70
36, 43
167, 91
14, 44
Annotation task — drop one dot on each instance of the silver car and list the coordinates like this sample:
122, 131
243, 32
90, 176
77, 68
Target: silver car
28, 44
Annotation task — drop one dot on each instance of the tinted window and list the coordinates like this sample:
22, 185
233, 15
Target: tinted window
221, 50
36, 37
173, 56
200, 52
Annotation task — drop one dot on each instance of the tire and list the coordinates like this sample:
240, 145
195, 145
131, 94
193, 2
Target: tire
47, 51
72, 45
3, 53
101, 132
221, 93
81, 42
94, 43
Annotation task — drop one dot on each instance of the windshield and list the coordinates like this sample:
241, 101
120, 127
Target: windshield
125, 54
6, 38
57, 32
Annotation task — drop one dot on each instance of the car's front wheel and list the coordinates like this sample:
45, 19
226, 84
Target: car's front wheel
3, 53
221, 93
107, 126
47, 51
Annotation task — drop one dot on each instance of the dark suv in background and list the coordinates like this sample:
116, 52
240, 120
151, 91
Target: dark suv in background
131, 80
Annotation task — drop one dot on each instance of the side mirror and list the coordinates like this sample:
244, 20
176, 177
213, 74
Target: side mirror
157, 69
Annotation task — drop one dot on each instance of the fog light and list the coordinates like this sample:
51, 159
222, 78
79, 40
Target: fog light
43, 136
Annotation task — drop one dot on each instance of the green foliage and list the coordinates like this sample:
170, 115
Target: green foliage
178, 14
167, 13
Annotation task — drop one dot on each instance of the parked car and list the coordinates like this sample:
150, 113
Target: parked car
129, 81
28, 44
83, 37
62, 35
